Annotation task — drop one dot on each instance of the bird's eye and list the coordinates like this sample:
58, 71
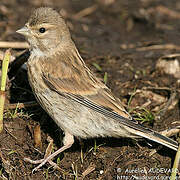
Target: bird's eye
42, 30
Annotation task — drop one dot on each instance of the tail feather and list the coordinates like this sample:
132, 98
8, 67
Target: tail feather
157, 137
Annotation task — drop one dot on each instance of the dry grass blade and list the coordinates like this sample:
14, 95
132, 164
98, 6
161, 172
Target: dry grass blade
90, 169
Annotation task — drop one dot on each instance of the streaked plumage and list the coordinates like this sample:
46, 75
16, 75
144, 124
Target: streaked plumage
77, 101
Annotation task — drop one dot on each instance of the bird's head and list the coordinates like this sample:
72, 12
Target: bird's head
45, 30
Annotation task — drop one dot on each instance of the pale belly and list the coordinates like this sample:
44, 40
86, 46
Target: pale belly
77, 119
71, 116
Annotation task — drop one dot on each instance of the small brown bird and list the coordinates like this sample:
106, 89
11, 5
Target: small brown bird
80, 104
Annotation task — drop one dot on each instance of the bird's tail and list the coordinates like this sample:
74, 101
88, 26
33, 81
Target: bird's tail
156, 137
130, 125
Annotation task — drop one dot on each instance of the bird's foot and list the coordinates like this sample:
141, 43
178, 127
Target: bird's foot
68, 141
41, 162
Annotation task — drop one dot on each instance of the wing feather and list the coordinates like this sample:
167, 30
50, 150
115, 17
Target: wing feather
80, 85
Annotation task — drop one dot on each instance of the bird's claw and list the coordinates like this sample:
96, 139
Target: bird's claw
41, 162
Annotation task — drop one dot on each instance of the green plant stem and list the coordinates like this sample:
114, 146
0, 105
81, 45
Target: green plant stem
2, 100
5, 65
176, 163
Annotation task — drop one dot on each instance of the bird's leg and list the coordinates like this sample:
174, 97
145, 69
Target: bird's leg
67, 141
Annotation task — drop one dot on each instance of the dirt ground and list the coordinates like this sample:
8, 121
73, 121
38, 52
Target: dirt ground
121, 41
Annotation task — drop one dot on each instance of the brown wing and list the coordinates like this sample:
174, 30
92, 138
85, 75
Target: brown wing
67, 73
84, 88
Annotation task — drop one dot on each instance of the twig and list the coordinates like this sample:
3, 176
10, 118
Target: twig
22, 105
16, 45
157, 88
7, 130
160, 88
155, 47
85, 12
170, 56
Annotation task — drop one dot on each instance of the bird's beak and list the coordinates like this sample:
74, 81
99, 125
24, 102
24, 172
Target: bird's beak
24, 31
